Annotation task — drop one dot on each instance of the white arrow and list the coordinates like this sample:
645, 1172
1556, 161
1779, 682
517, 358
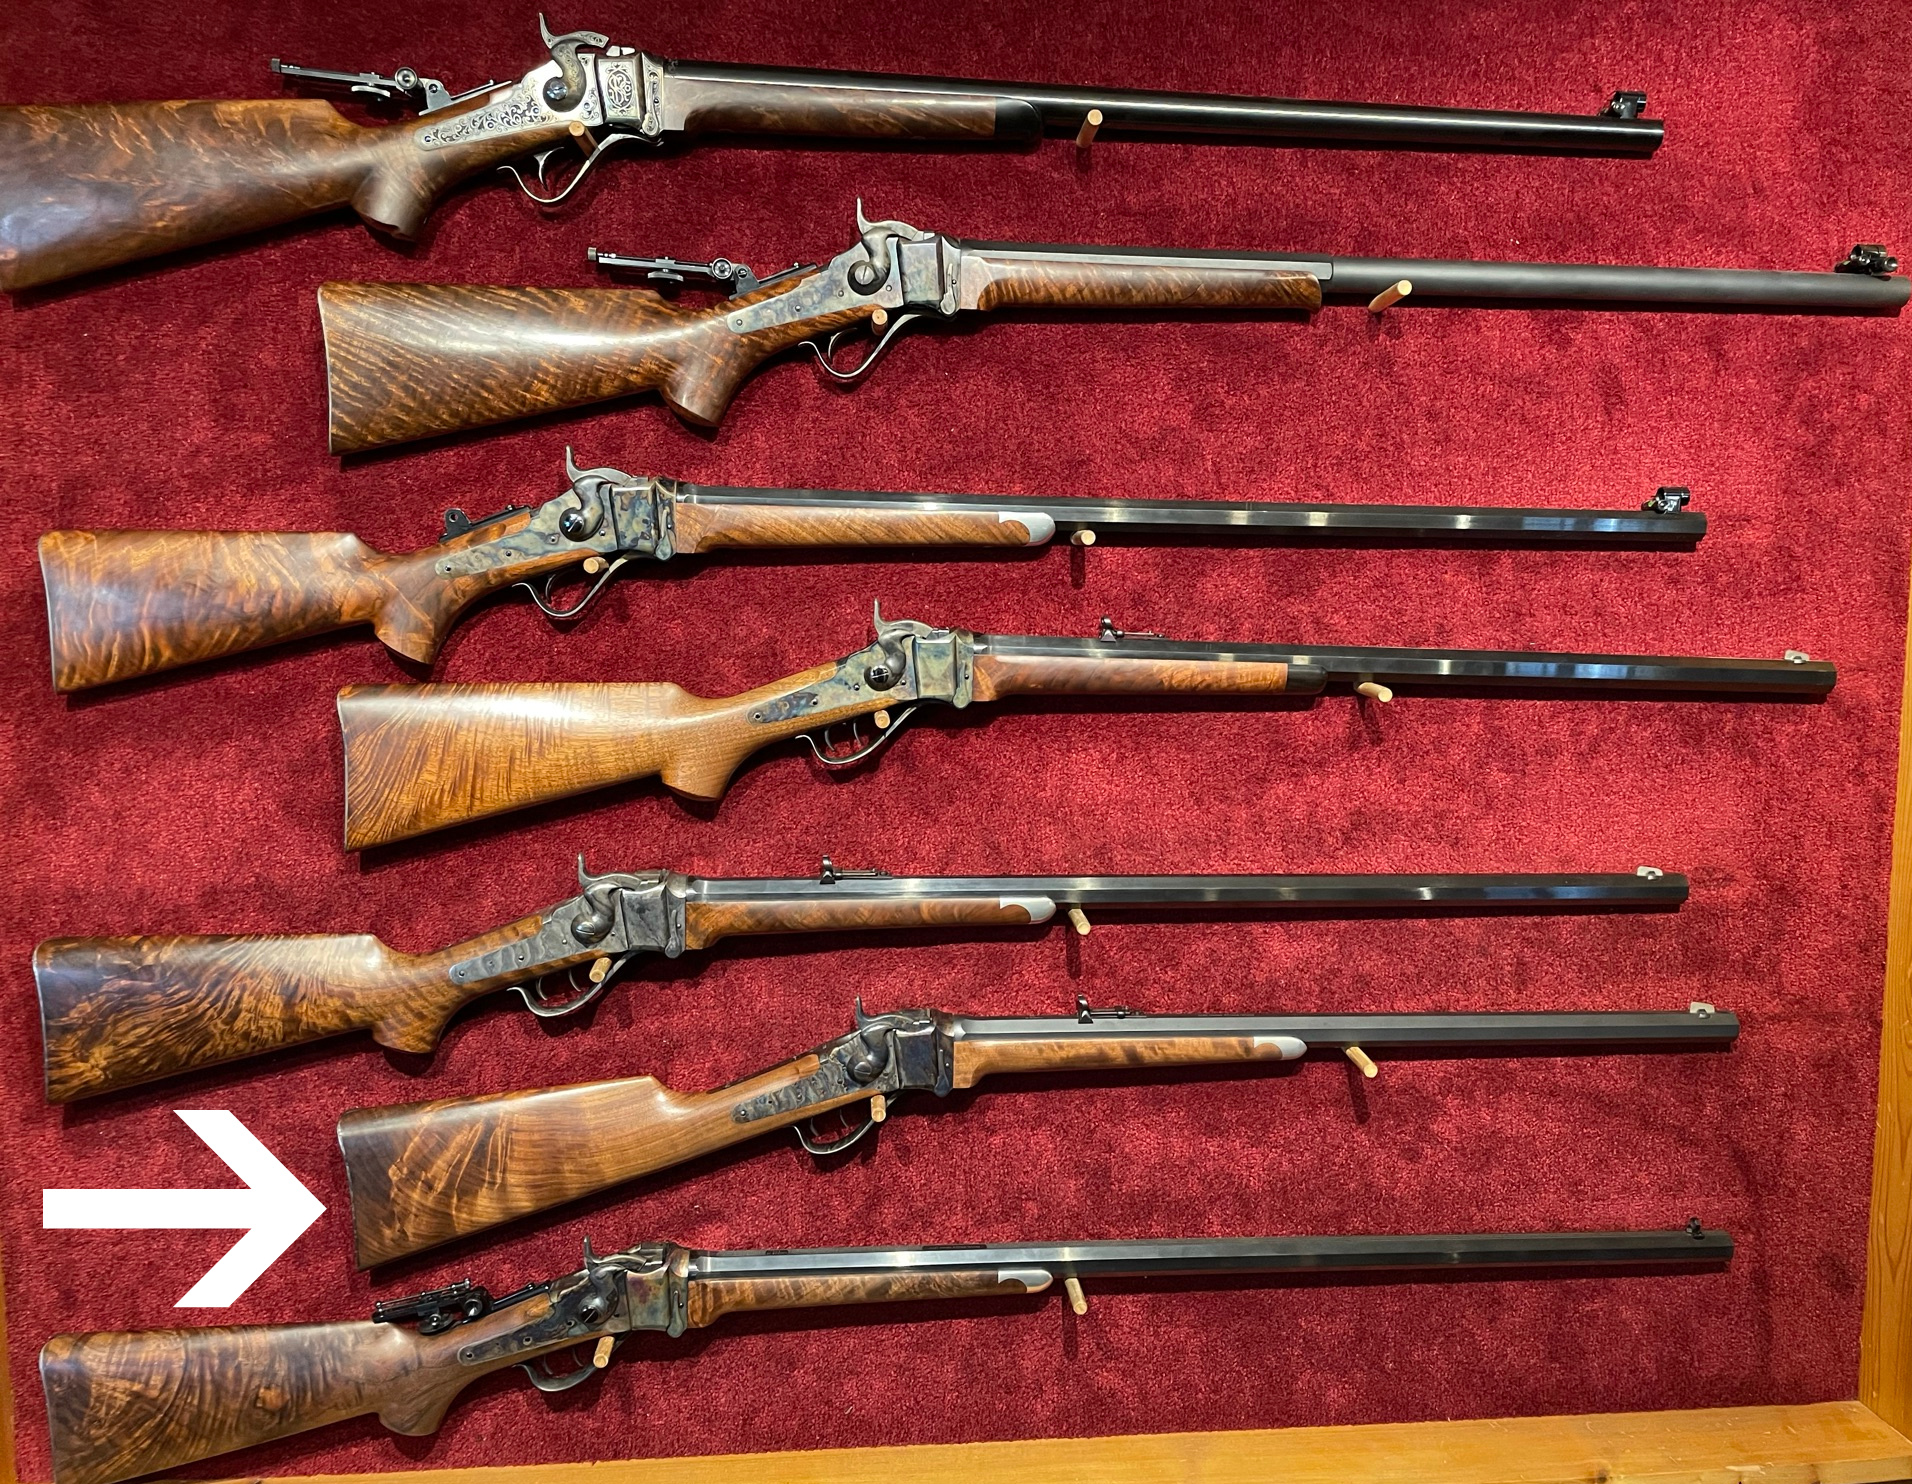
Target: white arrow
273, 1204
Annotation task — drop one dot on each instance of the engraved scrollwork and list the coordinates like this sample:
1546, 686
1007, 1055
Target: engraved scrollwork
620, 86
494, 118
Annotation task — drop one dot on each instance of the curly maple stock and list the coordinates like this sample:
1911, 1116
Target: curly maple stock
423, 757
410, 360
428, 1173
116, 1012
1011, 281
123, 1405
712, 1298
86, 186
127, 603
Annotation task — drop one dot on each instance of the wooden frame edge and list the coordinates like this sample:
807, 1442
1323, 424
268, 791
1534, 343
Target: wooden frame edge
1818, 1443
1885, 1334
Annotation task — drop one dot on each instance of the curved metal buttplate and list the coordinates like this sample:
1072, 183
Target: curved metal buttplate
862, 368
543, 158
860, 750
546, 1379
546, 1008
541, 592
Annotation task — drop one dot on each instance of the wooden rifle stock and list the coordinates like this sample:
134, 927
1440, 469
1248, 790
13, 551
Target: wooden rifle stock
116, 1012
127, 603
411, 360
424, 757
123, 1405
407, 361
92, 185
427, 1173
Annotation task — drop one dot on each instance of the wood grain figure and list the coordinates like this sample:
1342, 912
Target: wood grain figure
407, 361
86, 186
712, 1298
116, 1012
703, 528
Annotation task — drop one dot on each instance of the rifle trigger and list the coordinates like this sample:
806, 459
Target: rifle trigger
604, 147
859, 749
546, 1008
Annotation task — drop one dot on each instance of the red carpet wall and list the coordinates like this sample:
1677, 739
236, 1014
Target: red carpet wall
192, 395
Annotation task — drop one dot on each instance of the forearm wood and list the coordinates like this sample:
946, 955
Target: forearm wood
974, 1058
1014, 675
117, 1012
706, 922
711, 527
431, 1172
700, 106
712, 1298
420, 758
407, 361
86, 186
123, 1405
1014, 283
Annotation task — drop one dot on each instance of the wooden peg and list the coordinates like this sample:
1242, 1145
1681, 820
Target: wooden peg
601, 1357
1393, 294
1078, 1300
879, 1108
1082, 538
594, 565
1085, 136
1374, 691
882, 720
1362, 1060
581, 136
1081, 921
599, 970
879, 316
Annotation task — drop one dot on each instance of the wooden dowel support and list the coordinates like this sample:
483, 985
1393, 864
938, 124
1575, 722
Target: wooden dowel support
1082, 538
879, 1108
879, 316
581, 136
1374, 691
599, 969
1362, 1060
594, 565
1393, 294
882, 720
601, 1357
1085, 136
1080, 920
1078, 1300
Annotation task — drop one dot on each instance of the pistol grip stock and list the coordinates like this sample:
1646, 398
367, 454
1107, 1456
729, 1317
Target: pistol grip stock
424, 757
118, 1012
408, 361
88, 186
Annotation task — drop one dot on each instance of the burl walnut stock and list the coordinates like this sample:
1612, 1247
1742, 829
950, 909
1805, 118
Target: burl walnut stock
423, 758
119, 1012
123, 1405
86, 186
427, 1173
127, 603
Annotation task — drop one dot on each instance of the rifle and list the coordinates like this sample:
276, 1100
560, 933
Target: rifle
123, 1405
427, 1173
424, 757
85, 186
127, 603
412, 360
116, 1012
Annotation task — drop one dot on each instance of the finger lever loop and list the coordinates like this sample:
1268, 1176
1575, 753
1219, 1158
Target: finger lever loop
546, 1008
541, 594
546, 1379
826, 352
859, 749
814, 1143
585, 167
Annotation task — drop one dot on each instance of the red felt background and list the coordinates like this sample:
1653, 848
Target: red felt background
193, 395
